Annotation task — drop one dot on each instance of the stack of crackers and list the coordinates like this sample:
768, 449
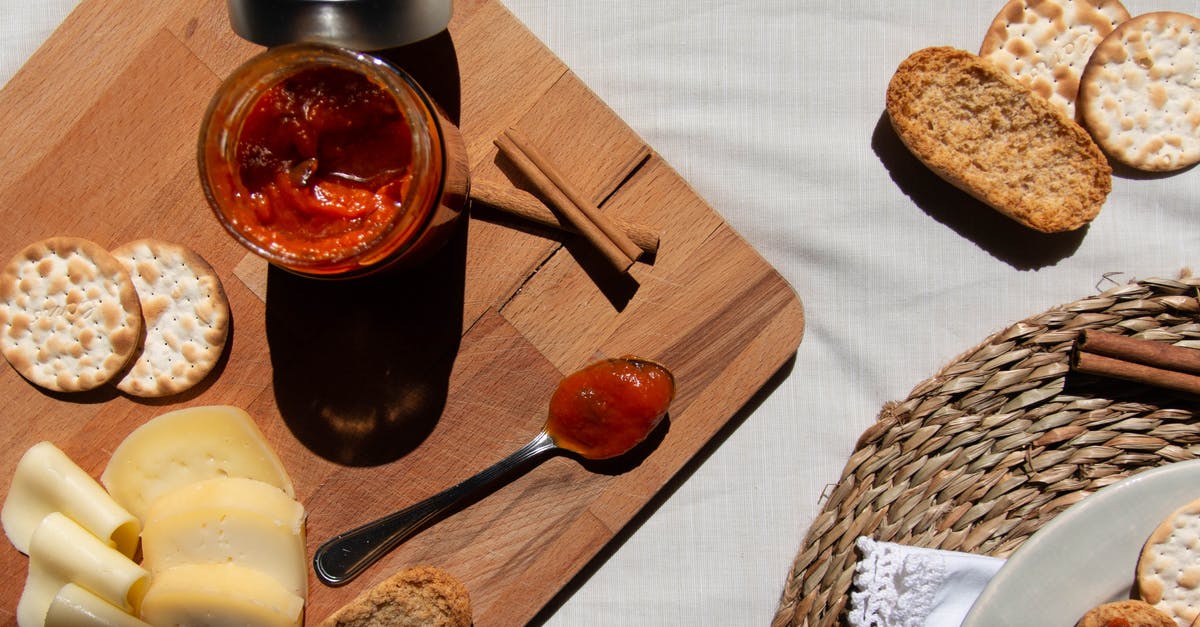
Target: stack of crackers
150, 317
1132, 82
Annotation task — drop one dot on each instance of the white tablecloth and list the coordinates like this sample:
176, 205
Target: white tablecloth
773, 111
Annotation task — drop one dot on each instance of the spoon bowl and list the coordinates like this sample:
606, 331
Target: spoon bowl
599, 412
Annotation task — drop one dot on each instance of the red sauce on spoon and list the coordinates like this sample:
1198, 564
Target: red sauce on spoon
608, 407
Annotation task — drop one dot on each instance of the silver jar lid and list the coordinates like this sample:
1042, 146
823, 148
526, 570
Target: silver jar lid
355, 24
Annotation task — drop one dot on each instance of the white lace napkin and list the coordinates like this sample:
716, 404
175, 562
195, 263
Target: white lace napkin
903, 586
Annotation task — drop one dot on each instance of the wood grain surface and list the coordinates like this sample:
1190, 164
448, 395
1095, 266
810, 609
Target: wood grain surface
380, 392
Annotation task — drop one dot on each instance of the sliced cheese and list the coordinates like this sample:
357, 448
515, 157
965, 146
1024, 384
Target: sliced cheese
61, 552
217, 595
45, 481
228, 520
75, 606
231, 493
189, 445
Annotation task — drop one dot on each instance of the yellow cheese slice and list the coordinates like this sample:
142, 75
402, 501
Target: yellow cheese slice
217, 595
189, 445
228, 520
45, 481
230, 493
75, 606
62, 552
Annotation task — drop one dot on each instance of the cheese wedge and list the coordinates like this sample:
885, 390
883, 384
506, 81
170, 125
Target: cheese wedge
45, 481
61, 552
228, 520
189, 445
217, 595
75, 606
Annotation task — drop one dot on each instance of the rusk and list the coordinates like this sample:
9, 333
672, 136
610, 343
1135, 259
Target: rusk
982, 131
422, 596
1130, 612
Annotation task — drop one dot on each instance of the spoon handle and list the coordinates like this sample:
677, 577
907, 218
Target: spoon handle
344, 556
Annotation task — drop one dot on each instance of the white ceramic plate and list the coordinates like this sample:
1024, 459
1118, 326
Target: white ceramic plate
1086, 555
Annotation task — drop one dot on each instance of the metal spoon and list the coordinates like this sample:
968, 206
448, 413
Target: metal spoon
344, 556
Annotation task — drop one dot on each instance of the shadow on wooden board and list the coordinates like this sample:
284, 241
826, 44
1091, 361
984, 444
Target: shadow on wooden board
362, 367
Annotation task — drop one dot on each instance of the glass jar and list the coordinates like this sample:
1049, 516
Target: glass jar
331, 163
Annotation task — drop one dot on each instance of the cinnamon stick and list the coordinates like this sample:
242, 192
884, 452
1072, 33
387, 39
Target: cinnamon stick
581, 214
521, 204
589, 209
1149, 352
1142, 361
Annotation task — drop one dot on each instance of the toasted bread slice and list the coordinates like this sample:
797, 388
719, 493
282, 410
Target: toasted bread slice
1130, 612
981, 130
421, 596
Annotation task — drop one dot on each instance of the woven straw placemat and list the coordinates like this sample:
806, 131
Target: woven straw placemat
1000, 441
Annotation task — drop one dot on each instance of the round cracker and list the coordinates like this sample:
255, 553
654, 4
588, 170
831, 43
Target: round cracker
186, 317
1140, 92
69, 315
1168, 569
1046, 44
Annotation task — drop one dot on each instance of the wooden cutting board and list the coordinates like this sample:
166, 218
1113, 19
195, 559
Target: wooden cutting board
378, 393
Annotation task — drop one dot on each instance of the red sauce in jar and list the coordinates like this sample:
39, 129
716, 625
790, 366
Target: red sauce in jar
324, 159
610, 406
331, 163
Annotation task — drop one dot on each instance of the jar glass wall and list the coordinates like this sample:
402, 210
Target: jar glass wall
330, 163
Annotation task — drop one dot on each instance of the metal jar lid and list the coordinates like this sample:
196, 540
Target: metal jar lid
355, 24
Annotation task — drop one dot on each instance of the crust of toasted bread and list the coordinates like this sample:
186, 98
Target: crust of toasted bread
1130, 612
421, 596
982, 131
